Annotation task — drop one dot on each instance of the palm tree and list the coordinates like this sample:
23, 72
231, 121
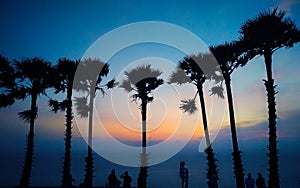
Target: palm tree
33, 77
88, 79
65, 71
142, 80
228, 55
191, 70
263, 35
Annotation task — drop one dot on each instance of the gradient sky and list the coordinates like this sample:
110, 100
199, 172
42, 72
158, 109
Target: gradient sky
54, 29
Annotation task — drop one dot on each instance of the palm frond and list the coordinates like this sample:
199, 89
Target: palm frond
6, 100
142, 72
269, 30
126, 85
80, 85
101, 90
143, 80
179, 77
217, 90
33, 75
111, 84
7, 73
196, 69
82, 106
150, 99
54, 104
153, 83
92, 69
28, 115
135, 97
21, 92
189, 106
57, 106
65, 70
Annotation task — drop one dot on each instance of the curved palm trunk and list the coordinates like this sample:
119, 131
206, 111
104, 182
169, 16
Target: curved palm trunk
142, 178
26, 173
237, 160
88, 178
273, 152
67, 177
211, 161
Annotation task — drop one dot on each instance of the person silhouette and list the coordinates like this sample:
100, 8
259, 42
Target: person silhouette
181, 173
260, 181
249, 182
112, 179
186, 178
126, 180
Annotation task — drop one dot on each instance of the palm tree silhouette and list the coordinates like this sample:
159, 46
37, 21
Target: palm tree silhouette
142, 80
263, 35
190, 70
88, 80
228, 55
63, 82
31, 79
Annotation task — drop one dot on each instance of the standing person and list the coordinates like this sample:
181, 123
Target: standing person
186, 178
260, 181
126, 180
181, 173
112, 179
249, 182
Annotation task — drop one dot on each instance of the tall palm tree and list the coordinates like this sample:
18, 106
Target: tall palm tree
33, 78
88, 80
263, 35
142, 80
228, 55
191, 70
63, 82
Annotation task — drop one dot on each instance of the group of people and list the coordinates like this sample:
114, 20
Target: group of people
114, 182
213, 180
184, 176
260, 181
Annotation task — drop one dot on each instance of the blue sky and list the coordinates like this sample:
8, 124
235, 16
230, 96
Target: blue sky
54, 29
68, 29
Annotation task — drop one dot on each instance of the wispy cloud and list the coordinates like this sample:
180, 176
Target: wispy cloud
287, 128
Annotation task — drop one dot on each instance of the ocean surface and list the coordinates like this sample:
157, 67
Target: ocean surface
47, 166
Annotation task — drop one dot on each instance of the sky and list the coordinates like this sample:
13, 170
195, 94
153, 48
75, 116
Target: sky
55, 29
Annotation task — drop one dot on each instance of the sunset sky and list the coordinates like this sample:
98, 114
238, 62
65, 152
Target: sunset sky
55, 29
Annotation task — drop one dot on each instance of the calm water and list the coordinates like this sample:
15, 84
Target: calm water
47, 166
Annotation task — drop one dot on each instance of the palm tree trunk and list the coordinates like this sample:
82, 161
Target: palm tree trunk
26, 173
142, 178
67, 177
237, 160
88, 179
89, 166
273, 152
144, 131
211, 161
203, 111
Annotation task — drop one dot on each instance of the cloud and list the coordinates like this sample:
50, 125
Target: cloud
288, 127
